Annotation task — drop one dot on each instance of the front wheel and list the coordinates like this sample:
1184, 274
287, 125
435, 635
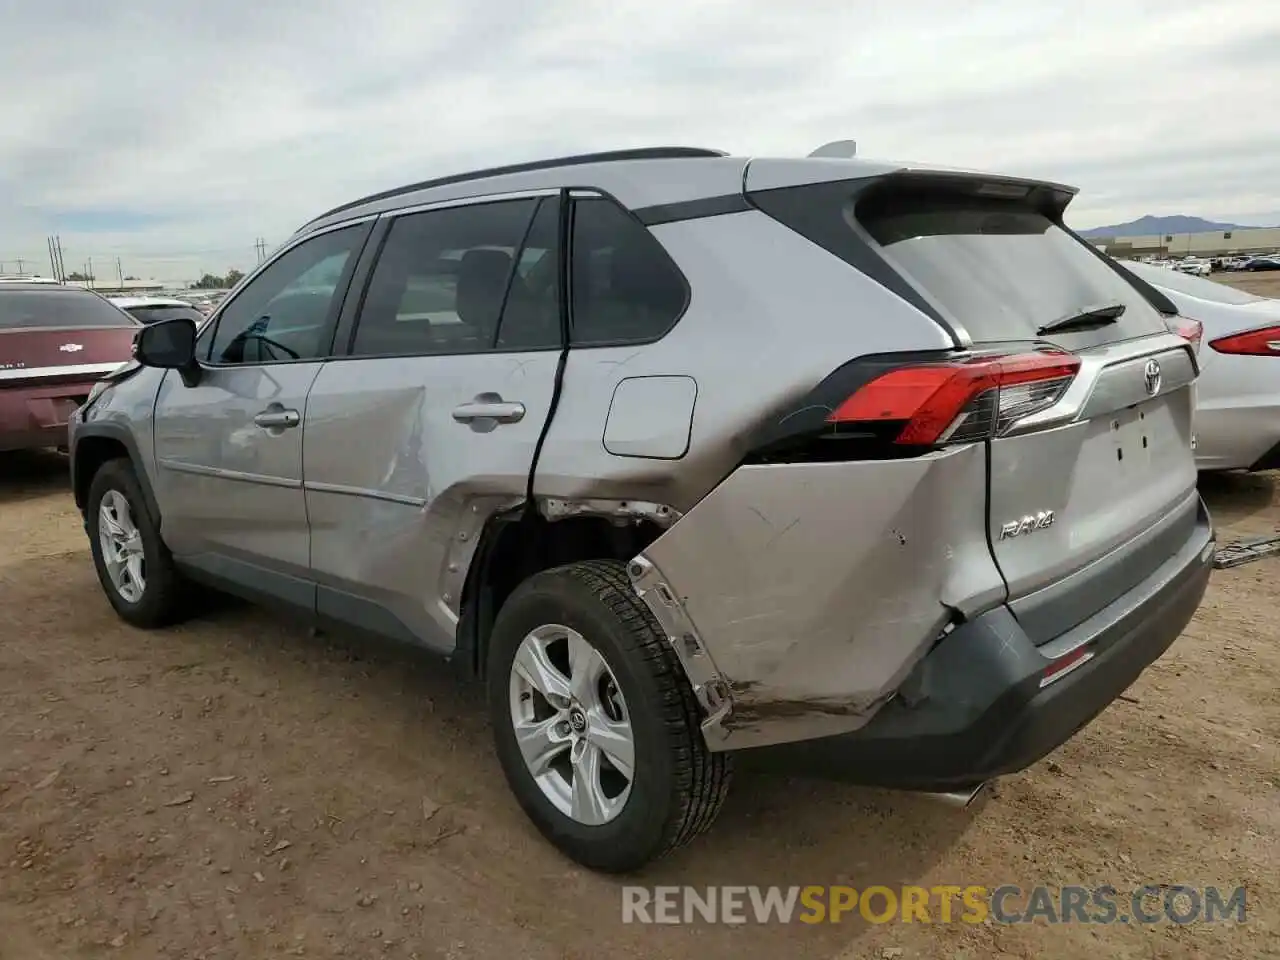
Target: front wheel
133, 564
595, 724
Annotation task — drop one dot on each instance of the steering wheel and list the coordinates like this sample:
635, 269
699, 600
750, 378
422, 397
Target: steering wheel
234, 351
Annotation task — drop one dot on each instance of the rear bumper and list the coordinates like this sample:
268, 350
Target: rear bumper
37, 416
974, 708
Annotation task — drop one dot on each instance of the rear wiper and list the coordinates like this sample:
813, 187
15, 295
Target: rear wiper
1098, 316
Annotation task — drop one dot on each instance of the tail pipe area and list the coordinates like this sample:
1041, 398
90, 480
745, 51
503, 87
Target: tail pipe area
959, 798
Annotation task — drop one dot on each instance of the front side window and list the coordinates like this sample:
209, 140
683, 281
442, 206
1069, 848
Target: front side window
464, 279
285, 312
625, 287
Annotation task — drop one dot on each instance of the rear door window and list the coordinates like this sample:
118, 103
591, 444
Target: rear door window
466, 279
21, 309
1003, 270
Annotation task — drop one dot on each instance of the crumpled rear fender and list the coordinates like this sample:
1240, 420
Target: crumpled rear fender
799, 596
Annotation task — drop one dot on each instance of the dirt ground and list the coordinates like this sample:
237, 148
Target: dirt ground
240, 788
1264, 284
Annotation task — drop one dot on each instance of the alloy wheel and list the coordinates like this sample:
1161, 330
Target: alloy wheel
121, 543
572, 724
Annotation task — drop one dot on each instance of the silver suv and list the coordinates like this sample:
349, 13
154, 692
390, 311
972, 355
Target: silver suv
869, 470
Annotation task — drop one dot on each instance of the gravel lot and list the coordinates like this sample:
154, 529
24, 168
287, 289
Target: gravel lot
240, 788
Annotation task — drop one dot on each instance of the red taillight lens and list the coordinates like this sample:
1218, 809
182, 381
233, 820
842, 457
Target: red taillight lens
1190, 330
962, 400
1264, 342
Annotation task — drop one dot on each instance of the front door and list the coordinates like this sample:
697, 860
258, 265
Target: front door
229, 448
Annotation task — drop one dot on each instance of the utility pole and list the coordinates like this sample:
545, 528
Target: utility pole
120, 274
88, 270
260, 247
60, 268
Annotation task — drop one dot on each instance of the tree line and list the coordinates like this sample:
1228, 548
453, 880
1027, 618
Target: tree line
213, 282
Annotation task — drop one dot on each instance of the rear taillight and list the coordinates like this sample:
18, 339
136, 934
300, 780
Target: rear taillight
1190, 330
1264, 342
959, 401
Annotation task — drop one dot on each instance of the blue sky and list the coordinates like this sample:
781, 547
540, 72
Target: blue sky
146, 131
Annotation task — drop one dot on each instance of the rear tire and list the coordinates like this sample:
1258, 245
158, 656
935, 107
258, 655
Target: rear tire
134, 566
675, 786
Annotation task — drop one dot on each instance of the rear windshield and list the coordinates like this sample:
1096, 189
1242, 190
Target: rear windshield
57, 308
1002, 269
154, 314
1197, 287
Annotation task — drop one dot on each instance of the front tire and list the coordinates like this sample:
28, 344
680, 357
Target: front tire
133, 564
595, 724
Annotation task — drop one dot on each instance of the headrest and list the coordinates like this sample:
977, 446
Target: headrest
482, 283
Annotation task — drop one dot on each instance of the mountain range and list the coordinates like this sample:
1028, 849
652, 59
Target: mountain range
1150, 226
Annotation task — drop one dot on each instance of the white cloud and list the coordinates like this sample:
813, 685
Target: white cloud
172, 133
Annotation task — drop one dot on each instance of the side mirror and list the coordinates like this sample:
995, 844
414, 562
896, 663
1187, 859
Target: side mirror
169, 345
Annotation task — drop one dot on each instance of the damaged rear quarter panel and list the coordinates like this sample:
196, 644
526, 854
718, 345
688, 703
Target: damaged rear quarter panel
815, 588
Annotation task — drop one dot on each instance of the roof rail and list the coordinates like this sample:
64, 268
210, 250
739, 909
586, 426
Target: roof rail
607, 156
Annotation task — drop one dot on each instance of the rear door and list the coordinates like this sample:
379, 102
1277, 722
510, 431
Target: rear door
1094, 488
430, 421
1089, 496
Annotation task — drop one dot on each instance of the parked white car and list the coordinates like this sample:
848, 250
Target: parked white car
1194, 267
154, 309
1238, 393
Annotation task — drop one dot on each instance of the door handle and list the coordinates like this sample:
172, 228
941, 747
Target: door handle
278, 419
503, 411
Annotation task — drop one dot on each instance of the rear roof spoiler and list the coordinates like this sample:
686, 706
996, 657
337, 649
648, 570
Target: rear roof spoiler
1047, 196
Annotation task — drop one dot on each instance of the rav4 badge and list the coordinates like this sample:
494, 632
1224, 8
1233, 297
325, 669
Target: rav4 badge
1028, 524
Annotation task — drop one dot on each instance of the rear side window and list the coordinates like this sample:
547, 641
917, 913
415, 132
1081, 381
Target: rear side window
1002, 269
157, 313
626, 289
464, 279
1197, 287
58, 308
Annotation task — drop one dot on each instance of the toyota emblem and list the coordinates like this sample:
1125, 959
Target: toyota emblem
1151, 377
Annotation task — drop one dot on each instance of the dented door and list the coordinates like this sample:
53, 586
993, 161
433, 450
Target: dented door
406, 456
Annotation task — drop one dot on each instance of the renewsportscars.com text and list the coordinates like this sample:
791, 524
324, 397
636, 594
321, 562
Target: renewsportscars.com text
1150, 903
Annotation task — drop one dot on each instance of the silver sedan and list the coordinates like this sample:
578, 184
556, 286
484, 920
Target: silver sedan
1238, 393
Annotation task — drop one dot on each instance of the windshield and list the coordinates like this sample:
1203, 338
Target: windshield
58, 307
1192, 286
156, 313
